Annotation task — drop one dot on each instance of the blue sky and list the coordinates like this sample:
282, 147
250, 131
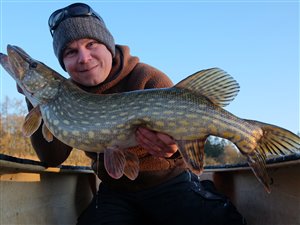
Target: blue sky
257, 42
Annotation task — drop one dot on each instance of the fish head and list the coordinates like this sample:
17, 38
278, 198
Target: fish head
38, 82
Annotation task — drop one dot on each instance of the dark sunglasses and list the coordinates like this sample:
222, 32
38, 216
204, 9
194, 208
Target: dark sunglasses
74, 10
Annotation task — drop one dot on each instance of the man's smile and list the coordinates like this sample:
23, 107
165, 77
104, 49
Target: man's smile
84, 70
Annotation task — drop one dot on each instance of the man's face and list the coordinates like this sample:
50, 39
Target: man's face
87, 61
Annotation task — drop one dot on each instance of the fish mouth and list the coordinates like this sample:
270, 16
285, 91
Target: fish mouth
6, 65
3, 58
19, 61
16, 53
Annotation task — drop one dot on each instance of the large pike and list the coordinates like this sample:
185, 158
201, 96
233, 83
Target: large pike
189, 112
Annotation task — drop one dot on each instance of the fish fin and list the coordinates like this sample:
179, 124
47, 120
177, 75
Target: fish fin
257, 162
276, 140
47, 133
215, 84
114, 162
192, 152
132, 167
32, 121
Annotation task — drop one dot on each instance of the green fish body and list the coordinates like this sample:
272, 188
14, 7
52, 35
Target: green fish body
189, 112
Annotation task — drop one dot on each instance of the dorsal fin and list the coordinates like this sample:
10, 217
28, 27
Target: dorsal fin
215, 84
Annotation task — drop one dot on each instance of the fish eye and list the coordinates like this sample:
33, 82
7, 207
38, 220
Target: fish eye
33, 65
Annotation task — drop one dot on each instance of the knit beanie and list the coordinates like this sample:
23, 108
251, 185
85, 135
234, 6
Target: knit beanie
75, 28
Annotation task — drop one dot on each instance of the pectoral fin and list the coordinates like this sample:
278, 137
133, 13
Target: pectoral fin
192, 152
114, 162
47, 133
32, 122
132, 167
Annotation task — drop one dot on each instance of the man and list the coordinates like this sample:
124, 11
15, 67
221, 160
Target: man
164, 192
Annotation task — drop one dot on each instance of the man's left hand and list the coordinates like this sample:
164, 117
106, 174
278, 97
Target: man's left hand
157, 144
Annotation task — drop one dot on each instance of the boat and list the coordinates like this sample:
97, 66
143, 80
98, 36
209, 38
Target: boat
34, 194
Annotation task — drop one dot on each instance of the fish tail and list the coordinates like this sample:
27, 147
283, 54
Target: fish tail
277, 140
274, 141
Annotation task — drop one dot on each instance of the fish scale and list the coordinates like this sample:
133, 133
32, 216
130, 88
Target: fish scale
195, 110
189, 112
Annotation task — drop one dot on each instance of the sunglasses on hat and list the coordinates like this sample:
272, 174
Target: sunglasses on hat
74, 10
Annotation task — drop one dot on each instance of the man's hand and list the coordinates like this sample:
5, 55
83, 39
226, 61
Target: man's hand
157, 144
